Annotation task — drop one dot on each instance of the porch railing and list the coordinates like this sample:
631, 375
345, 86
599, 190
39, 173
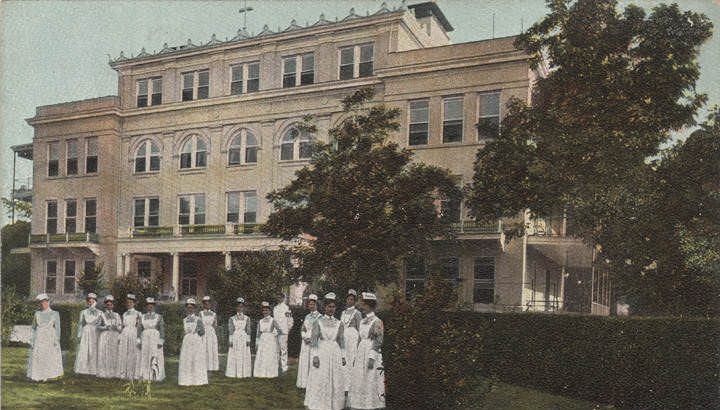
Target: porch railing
246, 229
195, 230
152, 231
63, 237
473, 226
202, 229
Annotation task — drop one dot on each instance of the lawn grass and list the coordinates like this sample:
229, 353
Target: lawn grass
85, 392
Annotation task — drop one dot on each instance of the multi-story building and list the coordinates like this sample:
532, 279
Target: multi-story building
168, 179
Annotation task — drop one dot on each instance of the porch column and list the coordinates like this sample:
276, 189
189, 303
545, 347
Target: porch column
120, 265
228, 260
176, 275
128, 263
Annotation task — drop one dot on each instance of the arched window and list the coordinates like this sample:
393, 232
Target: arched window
193, 153
296, 144
243, 148
147, 157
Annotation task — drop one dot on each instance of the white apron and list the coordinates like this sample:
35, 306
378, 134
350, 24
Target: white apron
239, 359
128, 350
193, 363
304, 361
108, 345
326, 383
368, 385
86, 359
151, 365
45, 358
210, 340
267, 356
349, 319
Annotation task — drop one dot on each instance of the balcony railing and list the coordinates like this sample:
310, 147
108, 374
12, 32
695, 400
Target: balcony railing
202, 229
152, 231
47, 238
194, 230
470, 226
551, 226
246, 229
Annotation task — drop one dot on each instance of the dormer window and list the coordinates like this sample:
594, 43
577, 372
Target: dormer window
356, 61
196, 85
298, 70
149, 91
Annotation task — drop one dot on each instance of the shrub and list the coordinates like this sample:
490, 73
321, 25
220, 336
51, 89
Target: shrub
91, 280
141, 288
15, 311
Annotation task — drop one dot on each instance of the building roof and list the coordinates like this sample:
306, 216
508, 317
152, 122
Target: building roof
430, 8
243, 36
23, 150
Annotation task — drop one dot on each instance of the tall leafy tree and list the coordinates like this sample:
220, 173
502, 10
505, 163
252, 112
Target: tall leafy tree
618, 83
361, 203
15, 268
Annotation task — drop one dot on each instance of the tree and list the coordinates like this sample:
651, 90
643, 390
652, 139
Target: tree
121, 286
15, 267
92, 279
23, 209
255, 276
361, 203
618, 84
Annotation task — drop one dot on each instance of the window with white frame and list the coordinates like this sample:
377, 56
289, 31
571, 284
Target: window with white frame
91, 155
242, 207
149, 91
196, 85
191, 209
243, 148
418, 128
70, 215
147, 157
296, 144
53, 159
488, 115
144, 269
69, 276
71, 163
193, 153
146, 212
484, 287
244, 78
51, 217
356, 61
50, 276
415, 274
298, 70
189, 277
90, 215
453, 119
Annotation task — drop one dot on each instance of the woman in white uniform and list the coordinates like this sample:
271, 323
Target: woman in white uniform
239, 359
109, 327
86, 359
210, 340
45, 358
367, 390
193, 362
350, 318
326, 381
267, 355
128, 350
151, 365
305, 331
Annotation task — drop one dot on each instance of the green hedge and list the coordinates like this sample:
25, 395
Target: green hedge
634, 363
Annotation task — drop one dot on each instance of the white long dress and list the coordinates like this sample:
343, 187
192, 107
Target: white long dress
350, 318
86, 359
367, 390
45, 358
128, 350
109, 327
210, 339
267, 355
304, 361
239, 359
326, 383
151, 365
193, 363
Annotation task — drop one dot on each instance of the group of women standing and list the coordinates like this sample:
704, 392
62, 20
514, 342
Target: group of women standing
340, 361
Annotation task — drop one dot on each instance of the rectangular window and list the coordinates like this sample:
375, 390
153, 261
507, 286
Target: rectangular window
146, 212
203, 89
142, 93
366, 61
289, 71
453, 119
419, 126
51, 217
144, 269
188, 86
53, 159
69, 277
189, 277
242, 203
72, 158
139, 215
153, 212
236, 79
88, 265
156, 90
253, 77
191, 208
91, 155
450, 267
90, 215
415, 272
245, 78
50, 276
199, 209
70, 216
298, 70
307, 69
250, 211
347, 63
233, 207
484, 288
488, 115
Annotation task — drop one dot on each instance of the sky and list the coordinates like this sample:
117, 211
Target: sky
57, 51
